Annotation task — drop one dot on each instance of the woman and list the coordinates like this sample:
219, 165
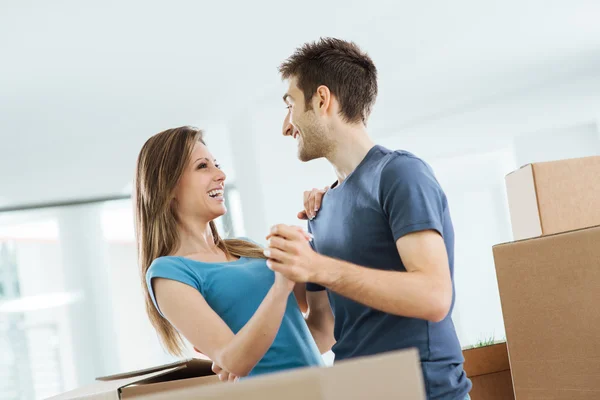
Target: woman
219, 294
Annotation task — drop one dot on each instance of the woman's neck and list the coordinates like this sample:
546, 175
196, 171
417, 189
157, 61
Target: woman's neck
196, 238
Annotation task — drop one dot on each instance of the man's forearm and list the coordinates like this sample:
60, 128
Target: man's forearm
409, 294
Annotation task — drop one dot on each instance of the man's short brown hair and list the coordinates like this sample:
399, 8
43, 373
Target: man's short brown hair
348, 72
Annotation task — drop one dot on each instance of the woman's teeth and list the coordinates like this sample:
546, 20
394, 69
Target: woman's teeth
215, 193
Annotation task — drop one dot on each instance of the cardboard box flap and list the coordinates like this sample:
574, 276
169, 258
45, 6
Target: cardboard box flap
111, 387
188, 363
192, 368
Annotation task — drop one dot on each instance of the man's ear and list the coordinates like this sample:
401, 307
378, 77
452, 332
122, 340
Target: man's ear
322, 100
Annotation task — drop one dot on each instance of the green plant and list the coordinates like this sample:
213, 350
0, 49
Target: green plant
485, 342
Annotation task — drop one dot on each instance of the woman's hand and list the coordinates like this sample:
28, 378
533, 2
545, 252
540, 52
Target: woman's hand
312, 203
223, 375
290, 254
284, 284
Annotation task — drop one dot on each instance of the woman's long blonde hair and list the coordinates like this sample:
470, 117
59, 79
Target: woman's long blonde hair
160, 165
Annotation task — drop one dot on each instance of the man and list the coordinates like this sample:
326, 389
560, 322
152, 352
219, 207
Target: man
383, 235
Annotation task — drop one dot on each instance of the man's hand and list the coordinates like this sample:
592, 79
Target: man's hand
290, 254
312, 203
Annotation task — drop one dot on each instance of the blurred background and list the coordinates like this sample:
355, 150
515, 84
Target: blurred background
477, 88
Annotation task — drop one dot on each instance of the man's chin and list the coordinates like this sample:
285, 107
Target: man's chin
305, 157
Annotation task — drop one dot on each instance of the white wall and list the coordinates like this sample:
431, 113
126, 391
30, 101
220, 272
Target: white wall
270, 177
546, 108
575, 141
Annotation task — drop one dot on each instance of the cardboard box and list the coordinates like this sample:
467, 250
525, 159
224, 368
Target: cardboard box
395, 375
152, 383
489, 371
552, 197
550, 292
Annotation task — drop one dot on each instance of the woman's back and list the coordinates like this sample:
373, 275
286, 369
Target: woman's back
234, 290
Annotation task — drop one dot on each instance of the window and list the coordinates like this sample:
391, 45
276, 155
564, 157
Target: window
71, 305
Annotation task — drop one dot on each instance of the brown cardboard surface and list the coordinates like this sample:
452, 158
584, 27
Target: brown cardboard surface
166, 390
496, 386
568, 194
550, 291
489, 370
566, 197
486, 360
388, 376
299, 385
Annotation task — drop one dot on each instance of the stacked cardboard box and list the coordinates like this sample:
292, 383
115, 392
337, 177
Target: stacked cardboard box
489, 371
549, 280
554, 197
395, 375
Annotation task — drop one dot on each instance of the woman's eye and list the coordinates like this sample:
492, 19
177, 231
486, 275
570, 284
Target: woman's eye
202, 165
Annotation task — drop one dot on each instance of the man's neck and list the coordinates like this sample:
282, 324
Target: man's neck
351, 147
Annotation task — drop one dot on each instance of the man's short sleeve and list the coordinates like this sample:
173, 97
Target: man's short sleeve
411, 197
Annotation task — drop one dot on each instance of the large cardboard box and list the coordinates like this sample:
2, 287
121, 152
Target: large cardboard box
395, 375
550, 292
489, 371
553, 197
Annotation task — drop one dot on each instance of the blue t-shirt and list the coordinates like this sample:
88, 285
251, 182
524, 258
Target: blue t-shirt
234, 290
390, 194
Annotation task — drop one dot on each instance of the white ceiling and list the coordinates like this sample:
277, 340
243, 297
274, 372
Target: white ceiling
83, 84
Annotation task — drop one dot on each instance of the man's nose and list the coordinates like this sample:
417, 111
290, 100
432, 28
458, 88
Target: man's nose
287, 129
